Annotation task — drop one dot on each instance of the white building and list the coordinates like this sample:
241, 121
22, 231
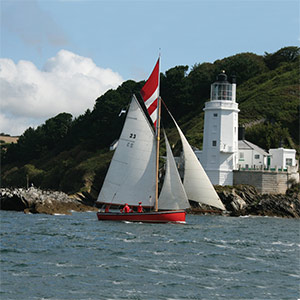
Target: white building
252, 156
220, 140
283, 158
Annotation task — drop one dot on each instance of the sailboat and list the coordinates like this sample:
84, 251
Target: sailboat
133, 174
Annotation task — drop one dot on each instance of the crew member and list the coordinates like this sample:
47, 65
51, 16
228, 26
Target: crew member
126, 208
140, 208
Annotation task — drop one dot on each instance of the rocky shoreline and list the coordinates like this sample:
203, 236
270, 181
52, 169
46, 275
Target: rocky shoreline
239, 201
35, 201
244, 200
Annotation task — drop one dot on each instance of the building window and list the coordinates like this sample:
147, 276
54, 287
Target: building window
256, 156
214, 143
289, 161
241, 154
215, 114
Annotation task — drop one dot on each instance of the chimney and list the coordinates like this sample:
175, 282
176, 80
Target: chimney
241, 133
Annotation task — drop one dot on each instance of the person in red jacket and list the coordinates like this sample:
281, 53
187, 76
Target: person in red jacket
126, 208
140, 208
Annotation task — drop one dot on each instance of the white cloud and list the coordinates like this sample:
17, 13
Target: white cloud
67, 83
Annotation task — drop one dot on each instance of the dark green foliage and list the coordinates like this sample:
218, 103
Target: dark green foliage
268, 135
34, 143
175, 90
72, 155
244, 66
287, 54
272, 97
201, 77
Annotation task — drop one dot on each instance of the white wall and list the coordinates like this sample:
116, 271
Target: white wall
280, 156
250, 160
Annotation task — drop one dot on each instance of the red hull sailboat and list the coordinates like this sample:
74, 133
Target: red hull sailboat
147, 217
132, 176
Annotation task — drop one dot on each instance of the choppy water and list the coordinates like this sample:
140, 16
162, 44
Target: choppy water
210, 257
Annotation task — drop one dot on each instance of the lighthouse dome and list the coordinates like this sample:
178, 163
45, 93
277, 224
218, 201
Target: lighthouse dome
222, 77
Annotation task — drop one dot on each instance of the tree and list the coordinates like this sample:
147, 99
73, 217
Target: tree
175, 90
268, 135
201, 77
287, 54
34, 143
243, 65
55, 129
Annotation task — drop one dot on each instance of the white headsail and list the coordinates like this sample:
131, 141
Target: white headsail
196, 182
172, 195
131, 174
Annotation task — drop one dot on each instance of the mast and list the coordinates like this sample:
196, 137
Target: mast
157, 138
157, 152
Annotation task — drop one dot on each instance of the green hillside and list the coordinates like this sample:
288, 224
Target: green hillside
72, 155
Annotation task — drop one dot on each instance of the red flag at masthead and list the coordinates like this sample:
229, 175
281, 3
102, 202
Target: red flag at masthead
150, 93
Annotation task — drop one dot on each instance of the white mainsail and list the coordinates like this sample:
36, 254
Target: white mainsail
131, 174
196, 182
172, 195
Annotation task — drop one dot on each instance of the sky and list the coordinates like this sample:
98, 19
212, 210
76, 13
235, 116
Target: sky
61, 55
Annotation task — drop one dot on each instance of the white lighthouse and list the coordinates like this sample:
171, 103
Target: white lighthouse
220, 141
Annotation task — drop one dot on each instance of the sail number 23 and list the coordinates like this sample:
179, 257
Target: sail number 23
131, 136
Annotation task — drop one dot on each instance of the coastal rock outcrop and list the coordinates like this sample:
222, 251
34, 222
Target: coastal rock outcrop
34, 200
243, 200
238, 200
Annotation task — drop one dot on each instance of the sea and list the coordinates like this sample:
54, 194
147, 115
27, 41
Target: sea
210, 257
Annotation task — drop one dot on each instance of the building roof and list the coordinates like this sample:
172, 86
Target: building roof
245, 145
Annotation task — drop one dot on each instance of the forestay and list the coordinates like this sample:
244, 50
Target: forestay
172, 195
131, 174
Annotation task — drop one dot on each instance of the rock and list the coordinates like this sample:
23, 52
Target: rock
13, 202
276, 205
35, 200
232, 200
238, 203
245, 200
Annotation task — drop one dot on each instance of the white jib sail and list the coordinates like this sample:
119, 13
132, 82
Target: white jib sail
172, 195
131, 174
196, 182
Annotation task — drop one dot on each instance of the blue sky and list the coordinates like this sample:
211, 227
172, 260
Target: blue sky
118, 40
